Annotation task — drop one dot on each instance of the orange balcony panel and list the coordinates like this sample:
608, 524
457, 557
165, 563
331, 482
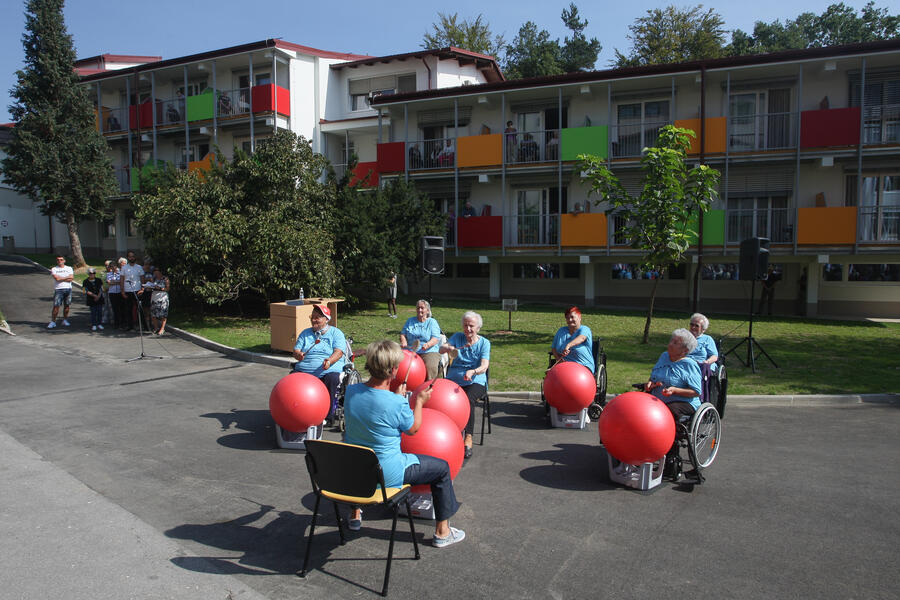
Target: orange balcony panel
363, 170
479, 232
480, 150
715, 134
204, 164
264, 99
585, 229
390, 157
832, 225
829, 127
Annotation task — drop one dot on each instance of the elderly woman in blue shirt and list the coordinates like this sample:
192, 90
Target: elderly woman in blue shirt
472, 357
574, 342
422, 334
676, 379
706, 350
320, 351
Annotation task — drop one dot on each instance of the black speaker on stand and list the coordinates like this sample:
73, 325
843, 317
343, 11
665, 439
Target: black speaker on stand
432, 258
754, 262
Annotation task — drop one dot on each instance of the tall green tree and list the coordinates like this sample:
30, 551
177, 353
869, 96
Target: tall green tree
672, 35
56, 156
533, 53
259, 225
577, 53
658, 221
838, 24
473, 35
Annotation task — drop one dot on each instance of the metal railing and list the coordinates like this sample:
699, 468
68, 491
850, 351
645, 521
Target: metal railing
773, 223
532, 230
631, 139
531, 146
432, 154
879, 224
123, 179
170, 111
764, 131
116, 120
881, 124
232, 103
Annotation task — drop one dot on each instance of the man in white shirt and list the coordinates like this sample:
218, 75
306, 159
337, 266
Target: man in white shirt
131, 285
62, 291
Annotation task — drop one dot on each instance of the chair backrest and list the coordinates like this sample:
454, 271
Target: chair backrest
343, 468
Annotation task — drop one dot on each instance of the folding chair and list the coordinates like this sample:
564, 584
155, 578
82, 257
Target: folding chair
351, 475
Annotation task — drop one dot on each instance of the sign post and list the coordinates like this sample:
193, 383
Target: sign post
510, 306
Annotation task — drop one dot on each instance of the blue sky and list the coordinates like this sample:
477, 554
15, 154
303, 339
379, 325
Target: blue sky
172, 28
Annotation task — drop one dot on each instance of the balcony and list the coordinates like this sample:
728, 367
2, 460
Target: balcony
881, 124
879, 224
585, 230
532, 147
479, 150
584, 140
829, 127
629, 140
233, 103
431, 154
365, 175
271, 98
479, 232
772, 223
826, 226
763, 131
532, 230
714, 134
123, 179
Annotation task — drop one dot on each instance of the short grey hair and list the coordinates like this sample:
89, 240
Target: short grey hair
704, 322
426, 303
685, 338
382, 358
471, 314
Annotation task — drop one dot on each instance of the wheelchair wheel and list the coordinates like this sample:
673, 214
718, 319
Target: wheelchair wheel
705, 436
600, 397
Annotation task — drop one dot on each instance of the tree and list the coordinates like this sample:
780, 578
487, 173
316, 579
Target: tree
657, 221
672, 35
474, 36
56, 155
838, 24
259, 225
533, 54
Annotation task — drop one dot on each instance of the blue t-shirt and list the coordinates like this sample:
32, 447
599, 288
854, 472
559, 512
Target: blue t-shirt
706, 347
422, 332
583, 353
375, 419
329, 340
684, 373
469, 357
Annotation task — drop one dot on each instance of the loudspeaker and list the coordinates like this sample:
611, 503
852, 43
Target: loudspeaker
754, 259
433, 254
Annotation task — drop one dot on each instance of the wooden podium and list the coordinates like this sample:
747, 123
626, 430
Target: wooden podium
287, 319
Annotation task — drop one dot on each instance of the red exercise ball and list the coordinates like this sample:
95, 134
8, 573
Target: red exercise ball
298, 401
413, 364
636, 428
446, 397
569, 387
439, 437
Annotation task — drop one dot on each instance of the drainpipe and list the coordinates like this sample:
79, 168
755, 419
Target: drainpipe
424, 62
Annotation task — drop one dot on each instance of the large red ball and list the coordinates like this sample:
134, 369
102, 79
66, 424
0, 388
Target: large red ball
636, 428
298, 401
413, 364
569, 387
439, 437
448, 398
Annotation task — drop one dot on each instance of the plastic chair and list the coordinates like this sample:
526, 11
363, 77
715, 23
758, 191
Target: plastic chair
351, 475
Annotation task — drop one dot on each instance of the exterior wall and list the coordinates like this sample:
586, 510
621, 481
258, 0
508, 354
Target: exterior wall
304, 120
448, 73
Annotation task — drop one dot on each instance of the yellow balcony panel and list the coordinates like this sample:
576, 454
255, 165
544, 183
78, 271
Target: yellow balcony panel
479, 150
715, 134
584, 230
827, 225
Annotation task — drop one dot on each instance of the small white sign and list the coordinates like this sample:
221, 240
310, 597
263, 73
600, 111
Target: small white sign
510, 304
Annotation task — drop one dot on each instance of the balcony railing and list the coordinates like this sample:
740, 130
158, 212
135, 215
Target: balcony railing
531, 146
881, 124
232, 103
169, 112
879, 224
774, 224
631, 139
432, 154
123, 179
532, 230
115, 120
764, 131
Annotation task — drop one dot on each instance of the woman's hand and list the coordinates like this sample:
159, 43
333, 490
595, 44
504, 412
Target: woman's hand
668, 391
469, 374
299, 355
565, 351
652, 384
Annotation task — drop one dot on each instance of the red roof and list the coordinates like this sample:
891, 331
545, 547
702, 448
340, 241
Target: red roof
487, 64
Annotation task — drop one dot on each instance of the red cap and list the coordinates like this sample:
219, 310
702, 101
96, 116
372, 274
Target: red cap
324, 310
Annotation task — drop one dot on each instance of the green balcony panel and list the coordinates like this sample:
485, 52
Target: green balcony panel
147, 173
201, 106
584, 140
713, 228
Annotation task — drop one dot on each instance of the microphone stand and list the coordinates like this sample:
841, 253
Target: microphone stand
140, 316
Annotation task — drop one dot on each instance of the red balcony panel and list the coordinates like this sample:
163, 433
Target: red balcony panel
361, 171
264, 97
390, 157
479, 232
145, 112
829, 127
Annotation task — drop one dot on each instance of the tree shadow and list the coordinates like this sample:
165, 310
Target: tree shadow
574, 467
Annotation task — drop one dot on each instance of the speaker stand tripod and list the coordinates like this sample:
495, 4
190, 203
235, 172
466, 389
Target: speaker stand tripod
140, 316
750, 340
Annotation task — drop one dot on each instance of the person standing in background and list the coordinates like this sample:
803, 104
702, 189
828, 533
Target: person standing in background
62, 291
392, 295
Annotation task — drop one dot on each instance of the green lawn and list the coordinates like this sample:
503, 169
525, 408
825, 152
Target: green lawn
815, 357
49, 260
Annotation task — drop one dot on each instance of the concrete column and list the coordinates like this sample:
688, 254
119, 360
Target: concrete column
589, 284
813, 277
496, 274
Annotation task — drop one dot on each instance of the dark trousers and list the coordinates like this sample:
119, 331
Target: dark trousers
129, 305
767, 298
115, 301
436, 473
474, 392
96, 314
678, 410
145, 308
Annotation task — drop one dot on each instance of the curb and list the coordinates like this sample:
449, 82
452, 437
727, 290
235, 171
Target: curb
795, 401
244, 355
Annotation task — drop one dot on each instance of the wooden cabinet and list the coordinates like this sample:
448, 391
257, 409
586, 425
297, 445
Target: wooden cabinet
287, 319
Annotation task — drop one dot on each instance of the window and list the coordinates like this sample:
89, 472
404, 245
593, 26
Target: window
879, 208
866, 272
536, 271
760, 120
634, 271
881, 114
474, 270
363, 90
194, 88
832, 272
191, 154
108, 228
759, 216
535, 223
720, 272
638, 125
131, 224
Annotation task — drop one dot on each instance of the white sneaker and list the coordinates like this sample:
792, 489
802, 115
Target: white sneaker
51, 324
100, 327
93, 328
66, 323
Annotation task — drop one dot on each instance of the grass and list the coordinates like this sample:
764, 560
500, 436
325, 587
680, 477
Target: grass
815, 357
49, 260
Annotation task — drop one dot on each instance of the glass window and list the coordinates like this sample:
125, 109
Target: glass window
638, 125
720, 271
131, 225
536, 271
109, 228
763, 216
634, 271
480, 270
867, 272
832, 272
571, 270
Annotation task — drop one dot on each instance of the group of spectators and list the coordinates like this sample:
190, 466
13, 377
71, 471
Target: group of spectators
125, 294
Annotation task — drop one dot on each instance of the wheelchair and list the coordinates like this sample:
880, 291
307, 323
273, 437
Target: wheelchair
596, 407
715, 385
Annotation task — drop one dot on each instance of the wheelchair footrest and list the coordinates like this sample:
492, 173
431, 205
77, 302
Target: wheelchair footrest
420, 505
296, 440
577, 420
639, 477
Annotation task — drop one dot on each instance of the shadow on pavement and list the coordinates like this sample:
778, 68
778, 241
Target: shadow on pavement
571, 467
257, 429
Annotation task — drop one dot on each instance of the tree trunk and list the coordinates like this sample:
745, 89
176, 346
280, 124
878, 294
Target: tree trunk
74, 242
650, 311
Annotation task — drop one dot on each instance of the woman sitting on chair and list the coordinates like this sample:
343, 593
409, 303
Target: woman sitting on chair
471, 357
675, 379
706, 351
574, 342
376, 417
320, 351
422, 335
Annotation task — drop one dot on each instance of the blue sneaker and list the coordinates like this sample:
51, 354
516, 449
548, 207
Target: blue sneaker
456, 535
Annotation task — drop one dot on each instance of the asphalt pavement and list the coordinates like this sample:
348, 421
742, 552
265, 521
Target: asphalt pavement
159, 478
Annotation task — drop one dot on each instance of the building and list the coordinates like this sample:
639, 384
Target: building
808, 160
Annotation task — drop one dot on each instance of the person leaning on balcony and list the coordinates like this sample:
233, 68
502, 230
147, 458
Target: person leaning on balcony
468, 210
